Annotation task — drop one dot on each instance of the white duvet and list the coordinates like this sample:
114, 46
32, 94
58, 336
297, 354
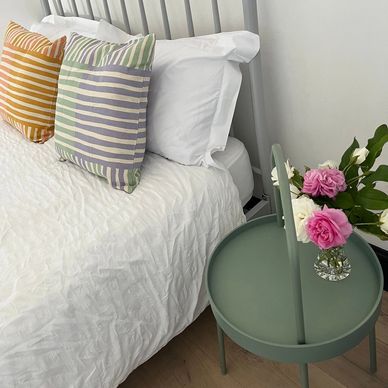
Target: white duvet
94, 281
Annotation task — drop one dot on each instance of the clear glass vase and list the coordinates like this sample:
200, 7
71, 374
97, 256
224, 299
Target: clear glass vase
332, 264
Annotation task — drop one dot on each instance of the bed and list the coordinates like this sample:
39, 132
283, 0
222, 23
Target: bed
85, 295
84, 306
235, 159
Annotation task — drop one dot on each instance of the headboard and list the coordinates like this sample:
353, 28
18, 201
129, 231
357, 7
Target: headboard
249, 120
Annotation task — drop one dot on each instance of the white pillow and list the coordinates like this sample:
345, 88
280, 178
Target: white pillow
54, 26
194, 87
110, 33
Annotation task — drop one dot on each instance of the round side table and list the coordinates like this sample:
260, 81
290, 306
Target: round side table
250, 295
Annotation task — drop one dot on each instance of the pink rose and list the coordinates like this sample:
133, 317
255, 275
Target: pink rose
328, 228
324, 181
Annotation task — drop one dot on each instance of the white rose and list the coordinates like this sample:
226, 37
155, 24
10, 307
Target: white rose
360, 154
328, 164
294, 191
274, 173
384, 221
303, 208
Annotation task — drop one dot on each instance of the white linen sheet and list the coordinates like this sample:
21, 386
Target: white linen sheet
94, 281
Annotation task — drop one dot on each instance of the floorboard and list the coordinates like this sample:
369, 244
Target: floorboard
191, 361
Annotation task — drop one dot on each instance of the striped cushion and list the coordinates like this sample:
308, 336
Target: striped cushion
100, 120
29, 71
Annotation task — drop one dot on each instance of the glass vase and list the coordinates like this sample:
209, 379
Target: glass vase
332, 264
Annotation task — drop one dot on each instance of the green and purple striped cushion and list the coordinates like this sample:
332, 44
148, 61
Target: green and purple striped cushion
100, 121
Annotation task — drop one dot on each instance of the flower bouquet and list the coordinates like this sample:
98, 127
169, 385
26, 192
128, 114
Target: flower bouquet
329, 201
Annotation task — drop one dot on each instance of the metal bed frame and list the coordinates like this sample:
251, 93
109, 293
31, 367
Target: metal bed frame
254, 74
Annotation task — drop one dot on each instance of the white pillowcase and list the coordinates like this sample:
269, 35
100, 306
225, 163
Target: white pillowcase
110, 33
194, 88
55, 26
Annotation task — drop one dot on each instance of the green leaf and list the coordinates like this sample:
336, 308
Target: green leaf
352, 190
360, 215
375, 230
351, 173
321, 201
345, 160
381, 174
297, 179
372, 199
343, 201
375, 146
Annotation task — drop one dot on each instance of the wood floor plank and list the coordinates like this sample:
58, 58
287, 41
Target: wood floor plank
348, 374
191, 361
252, 371
318, 377
360, 357
382, 324
239, 361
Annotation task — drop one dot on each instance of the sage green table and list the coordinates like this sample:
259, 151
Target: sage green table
266, 297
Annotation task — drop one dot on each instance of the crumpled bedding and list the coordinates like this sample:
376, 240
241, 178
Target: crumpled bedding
94, 281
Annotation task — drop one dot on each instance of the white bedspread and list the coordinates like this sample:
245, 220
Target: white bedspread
94, 281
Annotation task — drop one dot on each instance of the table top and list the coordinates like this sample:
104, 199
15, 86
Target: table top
250, 289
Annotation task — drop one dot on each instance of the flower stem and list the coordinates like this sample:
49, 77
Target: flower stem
358, 177
296, 184
367, 223
347, 167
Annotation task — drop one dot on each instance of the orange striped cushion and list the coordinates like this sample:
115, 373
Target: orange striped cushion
29, 71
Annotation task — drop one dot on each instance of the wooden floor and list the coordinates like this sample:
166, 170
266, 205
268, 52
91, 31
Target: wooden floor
190, 360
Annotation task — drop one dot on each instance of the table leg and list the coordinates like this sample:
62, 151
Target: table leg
221, 350
372, 352
304, 375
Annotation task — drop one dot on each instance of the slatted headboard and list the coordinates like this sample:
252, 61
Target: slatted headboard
249, 121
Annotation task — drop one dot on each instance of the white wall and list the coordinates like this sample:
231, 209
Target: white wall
325, 75
325, 67
24, 12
